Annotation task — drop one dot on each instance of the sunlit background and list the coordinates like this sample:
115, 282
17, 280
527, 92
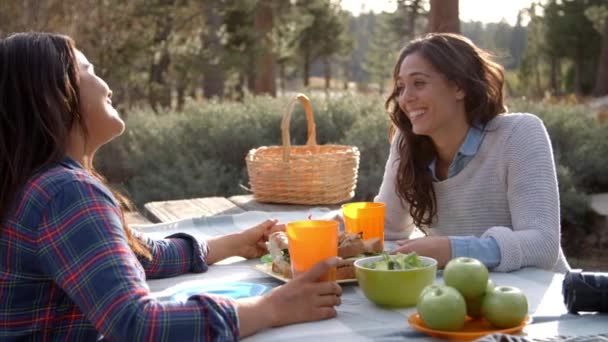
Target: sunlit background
485, 11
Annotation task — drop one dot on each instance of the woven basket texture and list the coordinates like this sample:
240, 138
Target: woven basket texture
311, 174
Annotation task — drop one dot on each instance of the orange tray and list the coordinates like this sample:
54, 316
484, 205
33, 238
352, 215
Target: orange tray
473, 328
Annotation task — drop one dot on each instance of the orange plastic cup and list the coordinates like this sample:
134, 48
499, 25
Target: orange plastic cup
366, 218
310, 242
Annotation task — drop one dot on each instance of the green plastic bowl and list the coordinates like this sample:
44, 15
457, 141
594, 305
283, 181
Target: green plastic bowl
394, 288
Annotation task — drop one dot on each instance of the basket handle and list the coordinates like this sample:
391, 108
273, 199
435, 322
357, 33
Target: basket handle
312, 132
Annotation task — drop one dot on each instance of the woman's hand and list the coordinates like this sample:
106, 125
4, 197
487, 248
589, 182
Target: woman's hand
252, 242
249, 243
302, 299
436, 247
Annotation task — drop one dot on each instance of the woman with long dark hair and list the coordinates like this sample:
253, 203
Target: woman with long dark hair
479, 182
70, 267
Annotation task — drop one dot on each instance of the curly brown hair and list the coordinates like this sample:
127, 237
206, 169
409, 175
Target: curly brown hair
471, 69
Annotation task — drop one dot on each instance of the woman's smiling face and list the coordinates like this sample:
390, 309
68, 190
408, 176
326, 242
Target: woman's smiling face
430, 101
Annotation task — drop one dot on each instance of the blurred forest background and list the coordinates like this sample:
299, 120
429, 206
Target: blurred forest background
160, 52
200, 83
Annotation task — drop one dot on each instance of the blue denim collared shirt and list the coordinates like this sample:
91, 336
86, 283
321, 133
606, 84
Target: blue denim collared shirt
484, 249
465, 154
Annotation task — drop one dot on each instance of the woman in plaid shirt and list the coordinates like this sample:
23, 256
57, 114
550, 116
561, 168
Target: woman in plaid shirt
70, 268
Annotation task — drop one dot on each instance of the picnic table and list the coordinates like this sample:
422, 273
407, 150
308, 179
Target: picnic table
358, 319
166, 211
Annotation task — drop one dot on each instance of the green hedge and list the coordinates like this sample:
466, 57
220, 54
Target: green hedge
200, 152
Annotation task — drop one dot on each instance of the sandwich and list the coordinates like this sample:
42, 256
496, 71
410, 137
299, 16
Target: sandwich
350, 247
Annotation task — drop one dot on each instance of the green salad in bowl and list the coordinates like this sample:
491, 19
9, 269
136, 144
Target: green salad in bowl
396, 262
395, 280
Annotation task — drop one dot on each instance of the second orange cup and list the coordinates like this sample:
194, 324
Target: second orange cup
310, 242
365, 218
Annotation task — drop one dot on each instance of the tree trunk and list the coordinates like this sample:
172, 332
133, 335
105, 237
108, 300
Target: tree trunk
282, 78
443, 16
181, 95
306, 67
126, 101
31, 9
601, 82
411, 21
251, 73
553, 75
327, 72
239, 88
539, 89
578, 73
214, 78
265, 60
346, 79
558, 75
159, 93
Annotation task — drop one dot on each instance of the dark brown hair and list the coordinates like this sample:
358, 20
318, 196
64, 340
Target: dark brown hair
39, 105
469, 67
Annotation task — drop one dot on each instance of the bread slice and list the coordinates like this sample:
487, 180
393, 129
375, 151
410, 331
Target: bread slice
373, 246
352, 248
282, 267
346, 269
353, 245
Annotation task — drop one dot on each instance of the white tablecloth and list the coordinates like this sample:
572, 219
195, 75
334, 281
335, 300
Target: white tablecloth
359, 319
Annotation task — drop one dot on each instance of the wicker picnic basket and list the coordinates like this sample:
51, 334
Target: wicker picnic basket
309, 174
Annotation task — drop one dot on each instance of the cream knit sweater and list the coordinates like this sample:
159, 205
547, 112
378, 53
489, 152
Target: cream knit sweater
507, 191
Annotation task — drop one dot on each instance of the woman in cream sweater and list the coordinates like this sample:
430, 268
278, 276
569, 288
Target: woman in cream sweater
479, 182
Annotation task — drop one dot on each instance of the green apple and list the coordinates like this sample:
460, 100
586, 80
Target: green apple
442, 308
474, 304
505, 306
467, 275
428, 288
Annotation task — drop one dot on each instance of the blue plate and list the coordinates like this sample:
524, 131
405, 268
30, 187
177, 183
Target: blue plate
234, 290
